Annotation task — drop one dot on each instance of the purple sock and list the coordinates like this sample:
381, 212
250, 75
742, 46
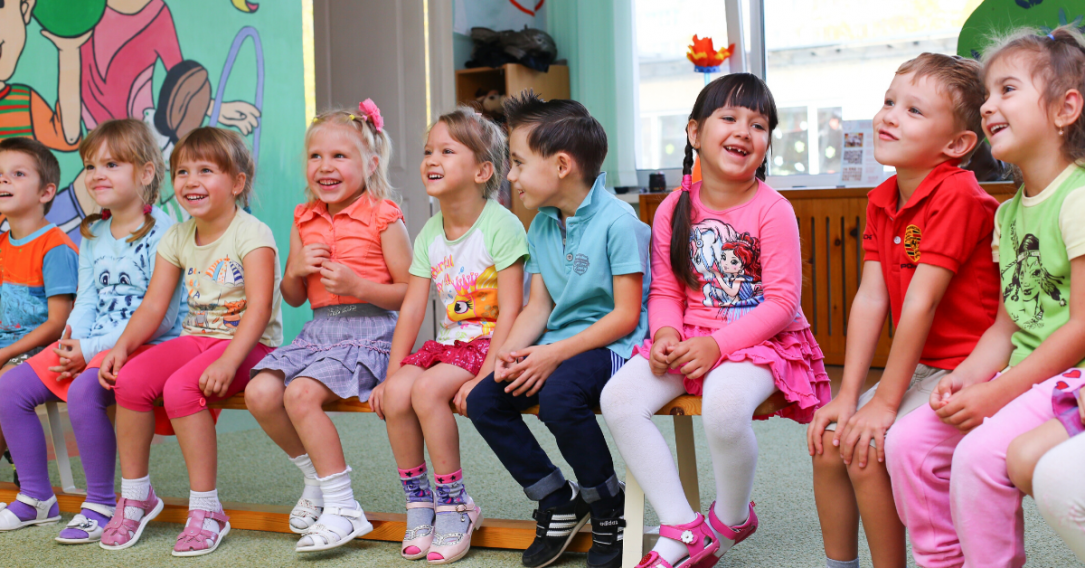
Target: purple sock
74, 533
87, 404
20, 392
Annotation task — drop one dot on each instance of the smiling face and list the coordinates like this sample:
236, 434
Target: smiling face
112, 183
205, 189
731, 263
915, 124
20, 185
533, 178
1015, 118
337, 168
732, 142
448, 166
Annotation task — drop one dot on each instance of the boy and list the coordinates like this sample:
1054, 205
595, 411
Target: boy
586, 311
39, 264
927, 263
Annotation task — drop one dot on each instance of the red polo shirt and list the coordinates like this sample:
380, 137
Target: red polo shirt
947, 222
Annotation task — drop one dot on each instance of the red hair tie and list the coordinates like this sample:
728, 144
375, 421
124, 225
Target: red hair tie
687, 183
146, 209
106, 214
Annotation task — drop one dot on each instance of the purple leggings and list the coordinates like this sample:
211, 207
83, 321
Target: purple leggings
20, 392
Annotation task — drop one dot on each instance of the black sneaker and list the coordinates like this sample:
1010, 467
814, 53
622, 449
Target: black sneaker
555, 528
606, 538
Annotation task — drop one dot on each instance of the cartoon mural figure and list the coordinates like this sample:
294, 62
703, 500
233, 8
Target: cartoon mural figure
476, 299
730, 265
1030, 279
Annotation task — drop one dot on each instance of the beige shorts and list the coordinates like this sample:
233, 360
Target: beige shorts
924, 380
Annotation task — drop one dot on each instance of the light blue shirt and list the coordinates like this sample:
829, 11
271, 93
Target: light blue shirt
603, 240
113, 278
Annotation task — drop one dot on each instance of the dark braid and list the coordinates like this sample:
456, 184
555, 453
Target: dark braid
681, 226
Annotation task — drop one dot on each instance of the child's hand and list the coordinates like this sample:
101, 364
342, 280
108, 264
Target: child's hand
662, 347
967, 408
72, 361
339, 279
376, 396
870, 421
460, 400
308, 260
694, 357
949, 384
111, 366
216, 378
838, 410
534, 366
503, 366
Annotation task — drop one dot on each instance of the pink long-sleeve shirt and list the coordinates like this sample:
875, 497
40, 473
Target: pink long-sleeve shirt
748, 267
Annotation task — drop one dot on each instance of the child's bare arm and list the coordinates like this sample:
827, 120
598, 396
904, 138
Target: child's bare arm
60, 306
396, 246
531, 323
411, 314
300, 263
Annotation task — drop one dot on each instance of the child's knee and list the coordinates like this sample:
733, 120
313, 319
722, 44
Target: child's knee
181, 396
484, 398
829, 460
558, 406
304, 394
1021, 460
1057, 488
978, 455
397, 396
264, 394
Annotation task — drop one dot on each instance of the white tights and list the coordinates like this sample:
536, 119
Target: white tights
1060, 494
731, 394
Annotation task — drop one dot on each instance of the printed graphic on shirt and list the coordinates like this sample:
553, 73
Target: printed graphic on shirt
729, 263
121, 281
476, 297
466, 282
1029, 281
912, 236
216, 298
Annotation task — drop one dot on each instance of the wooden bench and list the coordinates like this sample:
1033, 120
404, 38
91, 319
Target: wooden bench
494, 533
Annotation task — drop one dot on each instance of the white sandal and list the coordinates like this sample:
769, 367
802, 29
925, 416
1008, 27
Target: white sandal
306, 511
90, 526
329, 537
9, 521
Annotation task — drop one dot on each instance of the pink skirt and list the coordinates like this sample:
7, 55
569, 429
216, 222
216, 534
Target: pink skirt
793, 357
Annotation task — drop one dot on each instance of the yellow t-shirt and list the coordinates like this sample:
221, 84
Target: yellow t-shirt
214, 276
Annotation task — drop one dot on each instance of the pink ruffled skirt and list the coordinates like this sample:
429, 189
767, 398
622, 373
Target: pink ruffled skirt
793, 357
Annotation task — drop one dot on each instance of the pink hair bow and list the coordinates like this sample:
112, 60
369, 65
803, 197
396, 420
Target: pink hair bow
687, 183
369, 109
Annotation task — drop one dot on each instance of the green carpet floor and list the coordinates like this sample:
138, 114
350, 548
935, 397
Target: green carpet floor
252, 469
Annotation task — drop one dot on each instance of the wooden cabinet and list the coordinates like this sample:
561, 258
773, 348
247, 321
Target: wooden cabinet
512, 79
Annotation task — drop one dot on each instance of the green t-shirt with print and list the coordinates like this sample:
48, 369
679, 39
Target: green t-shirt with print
1034, 240
465, 270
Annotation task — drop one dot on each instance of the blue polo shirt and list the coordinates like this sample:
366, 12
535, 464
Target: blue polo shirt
578, 263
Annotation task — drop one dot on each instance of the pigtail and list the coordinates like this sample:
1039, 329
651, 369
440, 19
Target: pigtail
148, 224
682, 226
84, 227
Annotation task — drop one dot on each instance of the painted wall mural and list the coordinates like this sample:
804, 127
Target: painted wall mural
68, 65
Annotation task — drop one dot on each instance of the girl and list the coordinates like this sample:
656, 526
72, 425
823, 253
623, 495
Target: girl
349, 254
230, 267
124, 170
1032, 118
699, 345
473, 251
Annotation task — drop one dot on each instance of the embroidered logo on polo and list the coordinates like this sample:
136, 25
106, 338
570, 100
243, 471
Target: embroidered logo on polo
581, 264
912, 236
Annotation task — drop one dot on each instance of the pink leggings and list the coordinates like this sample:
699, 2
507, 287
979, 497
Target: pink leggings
172, 370
973, 517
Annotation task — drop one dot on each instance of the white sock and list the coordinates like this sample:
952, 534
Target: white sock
206, 501
138, 489
830, 563
337, 493
312, 490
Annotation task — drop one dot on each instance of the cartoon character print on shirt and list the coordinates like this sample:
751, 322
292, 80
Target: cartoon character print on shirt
1030, 279
729, 263
208, 313
121, 283
473, 296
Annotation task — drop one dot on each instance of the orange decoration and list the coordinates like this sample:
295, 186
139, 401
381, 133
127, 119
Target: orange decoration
703, 54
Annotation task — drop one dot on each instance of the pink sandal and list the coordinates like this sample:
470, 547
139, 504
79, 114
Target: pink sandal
417, 540
121, 533
736, 534
698, 538
193, 540
450, 547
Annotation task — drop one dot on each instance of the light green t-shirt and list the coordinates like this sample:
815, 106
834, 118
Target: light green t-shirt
465, 270
1034, 240
214, 276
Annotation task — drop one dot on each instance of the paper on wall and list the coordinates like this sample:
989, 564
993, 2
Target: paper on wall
857, 164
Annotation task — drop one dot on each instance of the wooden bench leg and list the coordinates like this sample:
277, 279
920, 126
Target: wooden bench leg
633, 538
60, 448
687, 459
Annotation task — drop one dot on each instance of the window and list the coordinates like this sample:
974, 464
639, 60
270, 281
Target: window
831, 60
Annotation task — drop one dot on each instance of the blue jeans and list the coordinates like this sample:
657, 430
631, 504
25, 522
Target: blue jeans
567, 403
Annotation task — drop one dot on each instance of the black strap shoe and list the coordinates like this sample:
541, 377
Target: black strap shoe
607, 533
555, 528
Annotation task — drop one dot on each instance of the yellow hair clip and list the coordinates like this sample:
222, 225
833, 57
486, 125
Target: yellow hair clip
316, 119
352, 117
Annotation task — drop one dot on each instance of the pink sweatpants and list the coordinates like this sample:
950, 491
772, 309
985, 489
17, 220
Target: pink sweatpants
973, 517
172, 370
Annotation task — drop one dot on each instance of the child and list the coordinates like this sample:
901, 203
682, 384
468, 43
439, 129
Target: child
926, 263
956, 483
473, 252
124, 170
230, 270
704, 344
39, 264
348, 256
589, 279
